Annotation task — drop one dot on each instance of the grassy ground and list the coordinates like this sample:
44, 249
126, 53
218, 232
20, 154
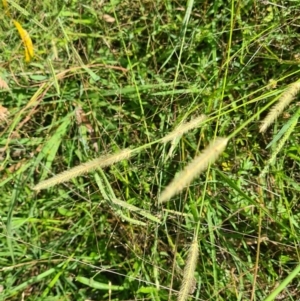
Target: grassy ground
111, 75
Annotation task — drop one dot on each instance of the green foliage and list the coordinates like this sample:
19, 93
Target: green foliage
108, 75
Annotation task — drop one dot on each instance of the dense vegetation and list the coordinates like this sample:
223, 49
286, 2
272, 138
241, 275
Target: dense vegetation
111, 75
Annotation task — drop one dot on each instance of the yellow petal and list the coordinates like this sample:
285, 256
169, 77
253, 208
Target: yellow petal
29, 52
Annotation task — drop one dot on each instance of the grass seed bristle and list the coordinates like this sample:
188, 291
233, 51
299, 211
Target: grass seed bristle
188, 272
103, 161
194, 168
286, 98
183, 128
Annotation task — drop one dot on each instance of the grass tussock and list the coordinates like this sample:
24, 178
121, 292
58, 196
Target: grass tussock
188, 281
101, 162
194, 168
129, 69
286, 98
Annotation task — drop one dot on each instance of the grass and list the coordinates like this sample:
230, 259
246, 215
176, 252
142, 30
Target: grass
115, 75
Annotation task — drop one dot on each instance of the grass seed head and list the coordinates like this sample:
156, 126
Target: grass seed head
194, 168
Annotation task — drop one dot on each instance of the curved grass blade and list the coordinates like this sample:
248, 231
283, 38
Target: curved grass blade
133, 208
98, 285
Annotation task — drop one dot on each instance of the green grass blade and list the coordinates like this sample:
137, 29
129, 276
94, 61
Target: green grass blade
294, 274
98, 285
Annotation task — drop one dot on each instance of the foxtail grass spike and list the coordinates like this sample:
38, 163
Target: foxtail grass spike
183, 128
286, 98
84, 168
188, 281
194, 168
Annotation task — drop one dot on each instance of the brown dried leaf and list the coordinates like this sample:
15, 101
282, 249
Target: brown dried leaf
3, 113
82, 119
3, 84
